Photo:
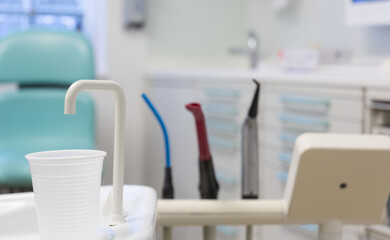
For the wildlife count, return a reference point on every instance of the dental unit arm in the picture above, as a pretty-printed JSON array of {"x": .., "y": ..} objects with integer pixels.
[
  {"x": 116, "y": 216},
  {"x": 334, "y": 180}
]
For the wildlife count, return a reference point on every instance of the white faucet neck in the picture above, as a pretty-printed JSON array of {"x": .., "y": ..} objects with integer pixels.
[{"x": 120, "y": 116}]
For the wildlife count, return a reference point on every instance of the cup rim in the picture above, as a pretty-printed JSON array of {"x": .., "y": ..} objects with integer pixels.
[{"x": 70, "y": 154}]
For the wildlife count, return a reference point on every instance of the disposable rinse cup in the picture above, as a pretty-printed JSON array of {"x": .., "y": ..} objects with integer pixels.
[{"x": 63, "y": 181}]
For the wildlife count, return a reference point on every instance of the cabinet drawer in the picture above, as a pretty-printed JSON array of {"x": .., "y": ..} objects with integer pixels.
[
  {"x": 355, "y": 94},
  {"x": 271, "y": 185},
  {"x": 229, "y": 179},
  {"x": 322, "y": 106},
  {"x": 277, "y": 161},
  {"x": 293, "y": 122},
  {"x": 228, "y": 194},
  {"x": 227, "y": 165},
  {"x": 227, "y": 157}
]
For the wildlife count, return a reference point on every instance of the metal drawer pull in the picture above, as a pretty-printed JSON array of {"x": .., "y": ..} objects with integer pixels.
[
  {"x": 310, "y": 227},
  {"x": 222, "y": 126},
  {"x": 222, "y": 93},
  {"x": 284, "y": 157},
  {"x": 288, "y": 118},
  {"x": 282, "y": 176},
  {"x": 305, "y": 101},
  {"x": 381, "y": 130},
  {"x": 227, "y": 230},
  {"x": 380, "y": 105},
  {"x": 224, "y": 178},
  {"x": 219, "y": 109},
  {"x": 288, "y": 138},
  {"x": 227, "y": 144}
]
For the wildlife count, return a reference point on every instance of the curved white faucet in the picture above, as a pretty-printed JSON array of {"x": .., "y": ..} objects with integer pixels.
[{"x": 120, "y": 113}]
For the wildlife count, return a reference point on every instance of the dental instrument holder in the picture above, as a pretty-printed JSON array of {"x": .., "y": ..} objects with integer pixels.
[
  {"x": 116, "y": 216},
  {"x": 334, "y": 180}
]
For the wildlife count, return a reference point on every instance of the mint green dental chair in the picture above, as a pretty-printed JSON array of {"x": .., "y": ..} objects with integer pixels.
[{"x": 44, "y": 64}]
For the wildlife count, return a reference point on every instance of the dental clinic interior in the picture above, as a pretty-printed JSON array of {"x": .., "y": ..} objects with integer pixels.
[{"x": 194, "y": 120}]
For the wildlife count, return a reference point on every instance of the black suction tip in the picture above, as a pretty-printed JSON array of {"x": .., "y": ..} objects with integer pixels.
[
  {"x": 253, "y": 110},
  {"x": 168, "y": 192}
]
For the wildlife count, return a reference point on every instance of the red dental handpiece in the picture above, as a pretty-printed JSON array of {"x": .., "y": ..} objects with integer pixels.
[{"x": 204, "y": 150}]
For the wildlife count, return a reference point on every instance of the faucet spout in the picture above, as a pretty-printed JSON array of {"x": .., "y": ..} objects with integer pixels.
[
  {"x": 251, "y": 49},
  {"x": 120, "y": 113}
]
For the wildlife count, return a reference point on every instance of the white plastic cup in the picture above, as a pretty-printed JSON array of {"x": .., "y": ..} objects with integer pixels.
[{"x": 66, "y": 186}]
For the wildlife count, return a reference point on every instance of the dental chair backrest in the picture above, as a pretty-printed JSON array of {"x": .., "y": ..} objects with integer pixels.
[
  {"x": 44, "y": 64},
  {"x": 339, "y": 176},
  {"x": 38, "y": 57}
]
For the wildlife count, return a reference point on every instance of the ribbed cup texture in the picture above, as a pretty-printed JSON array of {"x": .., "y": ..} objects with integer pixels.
[{"x": 67, "y": 207}]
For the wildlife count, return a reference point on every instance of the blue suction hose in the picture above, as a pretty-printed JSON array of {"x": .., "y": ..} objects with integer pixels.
[{"x": 168, "y": 192}]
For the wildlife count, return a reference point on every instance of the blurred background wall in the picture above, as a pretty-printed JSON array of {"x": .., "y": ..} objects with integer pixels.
[
  {"x": 319, "y": 22},
  {"x": 195, "y": 32}
]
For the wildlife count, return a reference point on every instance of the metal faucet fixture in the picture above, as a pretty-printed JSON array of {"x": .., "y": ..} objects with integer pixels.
[{"x": 252, "y": 49}]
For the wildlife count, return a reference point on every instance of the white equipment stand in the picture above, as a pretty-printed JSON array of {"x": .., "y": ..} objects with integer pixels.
[{"x": 334, "y": 180}]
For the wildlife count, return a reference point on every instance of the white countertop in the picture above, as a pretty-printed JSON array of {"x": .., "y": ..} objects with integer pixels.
[{"x": 330, "y": 76}]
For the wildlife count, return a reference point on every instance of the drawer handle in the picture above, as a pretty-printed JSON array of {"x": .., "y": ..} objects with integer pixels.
[
  {"x": 222, "y": 93},
  {"x": 282, "y": 176},
  {"x": 286, "y": 118},
  {"x": 219, "y": 109},
  {"x": 221, "y": 126},
  {"x": 305, "y": 101},
  {"x": 224, "y": 178},
  {"x": 310, "y": 227},
  {"x": 284, "y": 157},
  {"x": 227, "y": 230},
  {"x": 380, "y": 105},
  {"x": 288, "y": 138},
  {"x": 228, "y": 144}
]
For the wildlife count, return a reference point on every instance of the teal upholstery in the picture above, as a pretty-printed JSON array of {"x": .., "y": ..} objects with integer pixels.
[
  {"x": 38, "y": 56},
  {"x": 32, "y": 118}
]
